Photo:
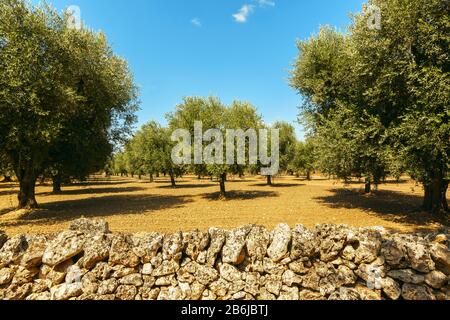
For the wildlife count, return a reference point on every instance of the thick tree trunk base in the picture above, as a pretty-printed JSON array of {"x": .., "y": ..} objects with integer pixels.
[{"x": 269, "y": 181}]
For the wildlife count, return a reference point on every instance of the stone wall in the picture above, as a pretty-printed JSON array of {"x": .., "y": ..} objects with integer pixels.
[{"x": 329, "y": 262}]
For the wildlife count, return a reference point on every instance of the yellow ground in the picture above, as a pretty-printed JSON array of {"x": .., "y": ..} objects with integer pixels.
[{"x": 134, "y": 206}]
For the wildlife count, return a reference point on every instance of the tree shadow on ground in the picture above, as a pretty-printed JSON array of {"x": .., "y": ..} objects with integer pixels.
[
  {"x": 99, "y": 183},
  {"x": 278, "y": 185},
  {"x": 187, "y": 186},
  {"x": 241, "y": 195},
  {"x": 390, "y": 205},
  {"x": 93, "y": 191},
  {"x": 98, "y": 207},
  {"x": 9, "y": 192}
]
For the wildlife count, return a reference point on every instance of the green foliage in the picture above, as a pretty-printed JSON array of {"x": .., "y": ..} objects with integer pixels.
[
  {"x": 378, "y": 100},
  {"x": 64, "y": 96}
]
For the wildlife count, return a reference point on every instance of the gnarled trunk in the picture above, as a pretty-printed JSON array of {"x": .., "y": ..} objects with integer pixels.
[
  {"x": 435, "y": 198},
  {"x": 223, "y": 179},
  {"x": 172, "y": 180},
  {"x": 57, "y": 181},
  {"x": 368, "y": 185},
  {"x": 26, "y": 196}
]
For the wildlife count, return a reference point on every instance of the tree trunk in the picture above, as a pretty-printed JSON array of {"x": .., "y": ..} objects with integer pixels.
[
  {"x": 7, "y": 179},
  {"x": 172, "y": 180},
  {"x": 308, "y": 175},
  {"x": 57, "y": 183},
  {"x": 223, "y": 193},
  {"x": 151, "y": 178},
  {"x": 368, "y": 186},
  {"x": 140, "y": 176},
  {"x": 27, "y": 197},
  {"x": 269, "y": 180},
  {"x": 435, "y": 199}
]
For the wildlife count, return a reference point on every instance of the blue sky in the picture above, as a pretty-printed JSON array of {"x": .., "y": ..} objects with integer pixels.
[{"x": 233, "y": 49}]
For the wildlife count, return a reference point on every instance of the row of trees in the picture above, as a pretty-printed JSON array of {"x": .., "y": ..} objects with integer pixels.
[
  {"x": 150, "y": 150},
  {"x": 65, "y": 98},
  {"x": 377, "y": 102}
]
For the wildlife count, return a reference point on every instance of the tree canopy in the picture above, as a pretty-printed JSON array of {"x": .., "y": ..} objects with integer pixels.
[{"x": 64, "y": 96}]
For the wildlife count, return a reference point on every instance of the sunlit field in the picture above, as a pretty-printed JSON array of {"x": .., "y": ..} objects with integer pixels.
[{"x": 131, "y": 205}]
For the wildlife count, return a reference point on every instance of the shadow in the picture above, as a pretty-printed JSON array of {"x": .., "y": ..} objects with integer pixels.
[
  {"x": 390, "y": 205},
  {"x": 98, "y": 207},
  {"x": 187, "y": 186},
  {"x": 8, "y": 192},
  {"x": 278, "y": 185},
  {"x": 7, "y": 210},
  {"x": 241, "y": 195},
  {"x": 93, "y": 191}
]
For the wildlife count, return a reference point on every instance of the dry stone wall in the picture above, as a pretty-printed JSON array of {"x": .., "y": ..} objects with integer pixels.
[{"x": 87, "y": 262}]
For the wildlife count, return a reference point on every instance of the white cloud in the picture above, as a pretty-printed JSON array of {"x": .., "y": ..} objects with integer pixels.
[
  {"x": 266, "y": 3},
  {"x": 243, "y": 13},
  {"x": 196, "y": 22}
]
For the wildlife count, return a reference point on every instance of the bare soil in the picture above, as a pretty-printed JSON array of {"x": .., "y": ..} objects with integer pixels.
[{"x": 135, "y": 206}]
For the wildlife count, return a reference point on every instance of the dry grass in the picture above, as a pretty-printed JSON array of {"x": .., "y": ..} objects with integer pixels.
[{"x": 135, "y": 206}]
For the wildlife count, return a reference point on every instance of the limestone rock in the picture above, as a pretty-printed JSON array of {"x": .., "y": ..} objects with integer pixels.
[
  {"x": 132, "y": 280},
  {"x": 407, "y": 276},
  {"x": 308, "y": 295},
  {"x": 195, "y": 242},
  {"x": 12, "y": 250},
  {"x": 391, "y": 288},
  {"x": 332, "y": 241},
  {"x": 345, "y": 294},
  {"x": 147, "y": 245},
  {"x": 290, "y": 278},
  {"x": 18, "y": 292},
  {"x": 96, "y": 249},
  {"x": 300, "y": 267},
  {"x": 90, "y": 227},
  {"x": 65, "y": 246},
  {"x": 42, "y": 296},
  {"x": 205, "y": 275},
  {"x": 441, "y": 254},
  {"x": 233, "y": 250},
  {"x": 281, "y": 238},
  {"x": 229, "y": 273},
  {"x": 171, "y": 293},
  {"x": 304, "y": 243},
  {"x": 173, "y": 246},
  {"x": 415, "y": 292},
  {"x": 107, "y": 287},
  {"x": 36, "y": 246},
  {"x": 289, "y": 294},
  {"x": 6, "y": 276},
  {"x": 311, "y": 281},
  {"x": 394, "y": 251},
  {"x": 217, "y": 237},
  {"x": 126, "y": 292},
  {"x": 168, "y": 267},
  {"x": 369, "y": 246},
  {"x": 257, "y": 243},
  {"x": 420, "y": 257},
  {"x": 66, "y": 291},
  {"x": 121, "y": 252},
  {"x": 265, "y": 295},
  {"x": 436, "y": 279}
]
